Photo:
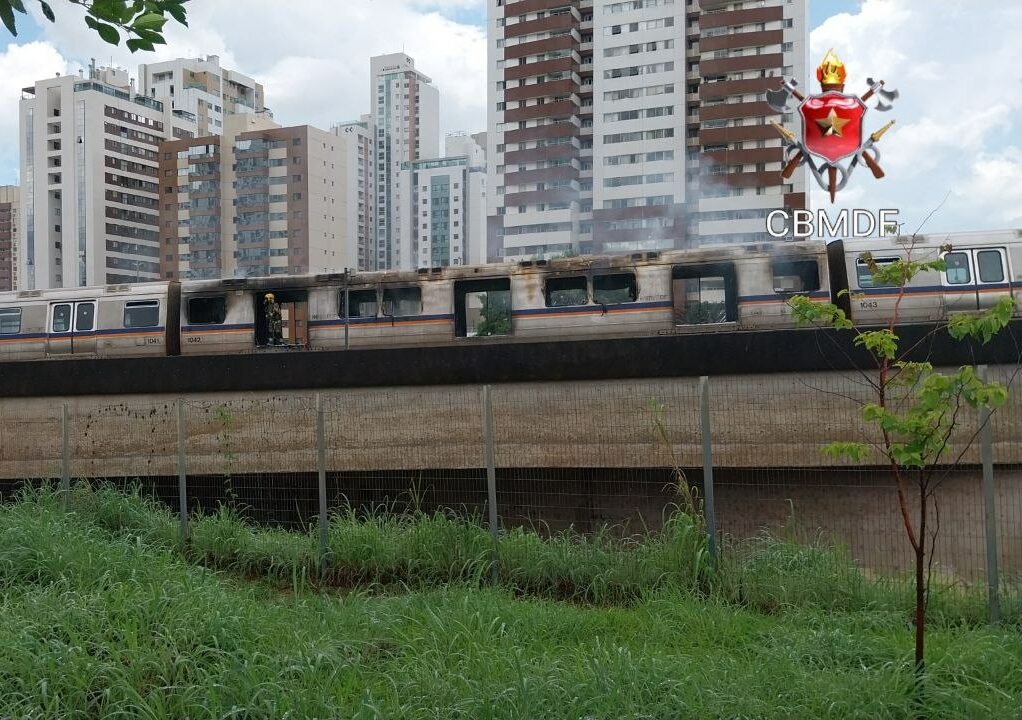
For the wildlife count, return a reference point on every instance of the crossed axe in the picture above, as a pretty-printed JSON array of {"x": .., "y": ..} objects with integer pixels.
[{"x": 778, "y": 99}]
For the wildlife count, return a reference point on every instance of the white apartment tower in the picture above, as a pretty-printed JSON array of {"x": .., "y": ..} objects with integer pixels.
[
  {"x": 358, "y": 173},
  {"x": 446, "y": 203},
  {"x": 406, "y": 115},
  {"x": 90, "y": 196},
  {"x": 625, "y": 126},
  {"x": 201, "y": 90}
]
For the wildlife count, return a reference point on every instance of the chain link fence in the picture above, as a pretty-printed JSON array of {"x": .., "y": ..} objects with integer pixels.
[{"x": 612, "y": 457}]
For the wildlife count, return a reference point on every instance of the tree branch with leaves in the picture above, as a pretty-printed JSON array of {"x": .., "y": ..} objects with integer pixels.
[
  {"x": 139, "y": 22},
  {"x": 914, "y": 409}
]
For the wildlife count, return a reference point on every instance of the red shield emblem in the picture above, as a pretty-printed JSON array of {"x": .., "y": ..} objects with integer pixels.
[{"x": 832, "y": 124}]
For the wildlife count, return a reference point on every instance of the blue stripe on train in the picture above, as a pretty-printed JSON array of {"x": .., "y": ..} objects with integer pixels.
[
  {"x": 152, "y": 329},
  {"x": 378, "y": 320},
  {"x": 594, "y": 308},
  {"x": 782, "y": 297},
  {"x": 215, "y": 326},
  {"x": 950, "y": 289}
]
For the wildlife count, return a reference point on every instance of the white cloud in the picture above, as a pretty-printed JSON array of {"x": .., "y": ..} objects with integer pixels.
[
  {"x": 960, "y": 104},
  {"x": 313, "y": 56},
  {"x": 994, "y": 185},
  {"x": 21, "y": 66}
]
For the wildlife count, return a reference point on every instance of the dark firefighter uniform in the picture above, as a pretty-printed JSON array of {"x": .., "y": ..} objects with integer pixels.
[{"x": 274, "y": 324}]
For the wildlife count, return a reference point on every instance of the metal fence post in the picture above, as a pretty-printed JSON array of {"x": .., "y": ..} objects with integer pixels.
[
  {"x": 491, "y": 479},
  {"x": 65, "y": 457},
  {"x": 708, "y": 509},
  {"x": 324, "y": 524},
  {"x": 182, "y": 473},
  {"x": 986, "y": 442}
]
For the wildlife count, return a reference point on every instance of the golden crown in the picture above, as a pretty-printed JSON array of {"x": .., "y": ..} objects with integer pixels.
[{"x": 831, "y": 70}]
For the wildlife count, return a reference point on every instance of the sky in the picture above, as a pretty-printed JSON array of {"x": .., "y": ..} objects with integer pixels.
[{"x": 957, "y": 142}]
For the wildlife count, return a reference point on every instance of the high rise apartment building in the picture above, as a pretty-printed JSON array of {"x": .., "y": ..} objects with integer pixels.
[
  {"x": 90, "y": 185},
  {"x": 638, "y": 125},
  {"x": 257, "y": 200},
  {"x": 358, "y": 214},
  {"x": 744, "y": 49},
  {"x": 202, "y": 90},
  {"x": 446, "y": 202},
  {"x": 406, "y": 118},
  {"x": 9, "y": 199}
]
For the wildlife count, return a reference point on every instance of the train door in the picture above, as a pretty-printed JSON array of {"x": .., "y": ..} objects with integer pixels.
[
  {"x": 992, "y": 277},
  {"x": 704, "y": 294},
  {"x": 72, "y": 328},
  {"x": 84, "y": 340},
  {"x": 975, "y": 278},
  {"x": 294, "y": 317},
  {"x": 959, "y": 282}
]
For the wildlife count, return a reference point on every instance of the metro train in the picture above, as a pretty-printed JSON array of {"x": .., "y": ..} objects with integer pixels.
[{"x": 725, "y": 288}]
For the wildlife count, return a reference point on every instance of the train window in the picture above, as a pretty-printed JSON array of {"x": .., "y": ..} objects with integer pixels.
[
  {"x": 61, "y": 318},
  {"x": 207, "y": 310},
  {"x": 796, "y": 276},
  {"x": 865, "y": 278},
  {"x": 401, "y": 302},
  {"x": 615, "y": 289},
  {"x": 363, "y": 304},
  {"x": 704, "y": 294},
  {"x": 85, "y": 316},
  {"x": 561, "y": 292},
  {"x": 141, "y": 313},
  {"x": 482, "y": 308},
  {"x": 957, "y": 268},
  {"x": 989, "y": 266},
  {"x": 10, "y": 321}
]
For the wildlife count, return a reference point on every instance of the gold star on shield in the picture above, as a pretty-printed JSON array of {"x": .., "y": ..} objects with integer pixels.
[{"x": 832, "y": 124}]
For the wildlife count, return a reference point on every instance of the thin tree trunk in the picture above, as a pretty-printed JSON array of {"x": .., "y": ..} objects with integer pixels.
[{"x": 921, "y": 589}]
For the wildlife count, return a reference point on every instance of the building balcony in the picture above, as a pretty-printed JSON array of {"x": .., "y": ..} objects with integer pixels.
[
  {"x": 543, "y": 67},
  {"x": 560, "y": 109},
  {"x": 542, "y": 132},
  {"x": 749, "y": 16},
  {"x": 564, "y": 21},
  {"x": 721, "y": 66},
  {"x": 543, "y": 89}
]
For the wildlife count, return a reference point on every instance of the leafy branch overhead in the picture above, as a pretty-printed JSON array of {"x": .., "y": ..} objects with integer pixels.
[{"x": 139, "y": 22}]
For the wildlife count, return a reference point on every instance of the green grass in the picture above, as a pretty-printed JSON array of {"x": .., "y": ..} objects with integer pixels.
[{"x": 103, "y": 617}]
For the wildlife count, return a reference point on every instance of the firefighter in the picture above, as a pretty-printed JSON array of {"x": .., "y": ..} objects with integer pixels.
[{"x": 274, "y": 324}]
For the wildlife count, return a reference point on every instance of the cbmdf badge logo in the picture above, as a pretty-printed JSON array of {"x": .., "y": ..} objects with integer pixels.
[{"x": 833, "y": 140}]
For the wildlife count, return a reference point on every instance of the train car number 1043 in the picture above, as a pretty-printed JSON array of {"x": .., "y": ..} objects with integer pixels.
[{"x": 869, "y": 304}]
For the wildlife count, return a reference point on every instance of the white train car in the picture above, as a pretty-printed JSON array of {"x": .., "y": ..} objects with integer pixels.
[
  {"x": 115, "y": 321},
  {"x": 982, "y": 268},
  {"x": 725, "y": 288}
]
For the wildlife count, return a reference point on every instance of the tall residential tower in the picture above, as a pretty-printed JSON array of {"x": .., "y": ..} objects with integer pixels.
[
  {"x": 406, "y": 115},
  {"x": 358, "y": 214},
  {"x": 90, "y": 192},
  {"x": 202, "y": 89},
  {"x": 257, "y": 200},
  {"x": 638, "y": 125}
]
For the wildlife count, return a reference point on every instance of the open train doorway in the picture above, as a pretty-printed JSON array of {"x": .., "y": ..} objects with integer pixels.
[
  {"x": 482, "y": 308},
  {"x": 294, "y": 318}
]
